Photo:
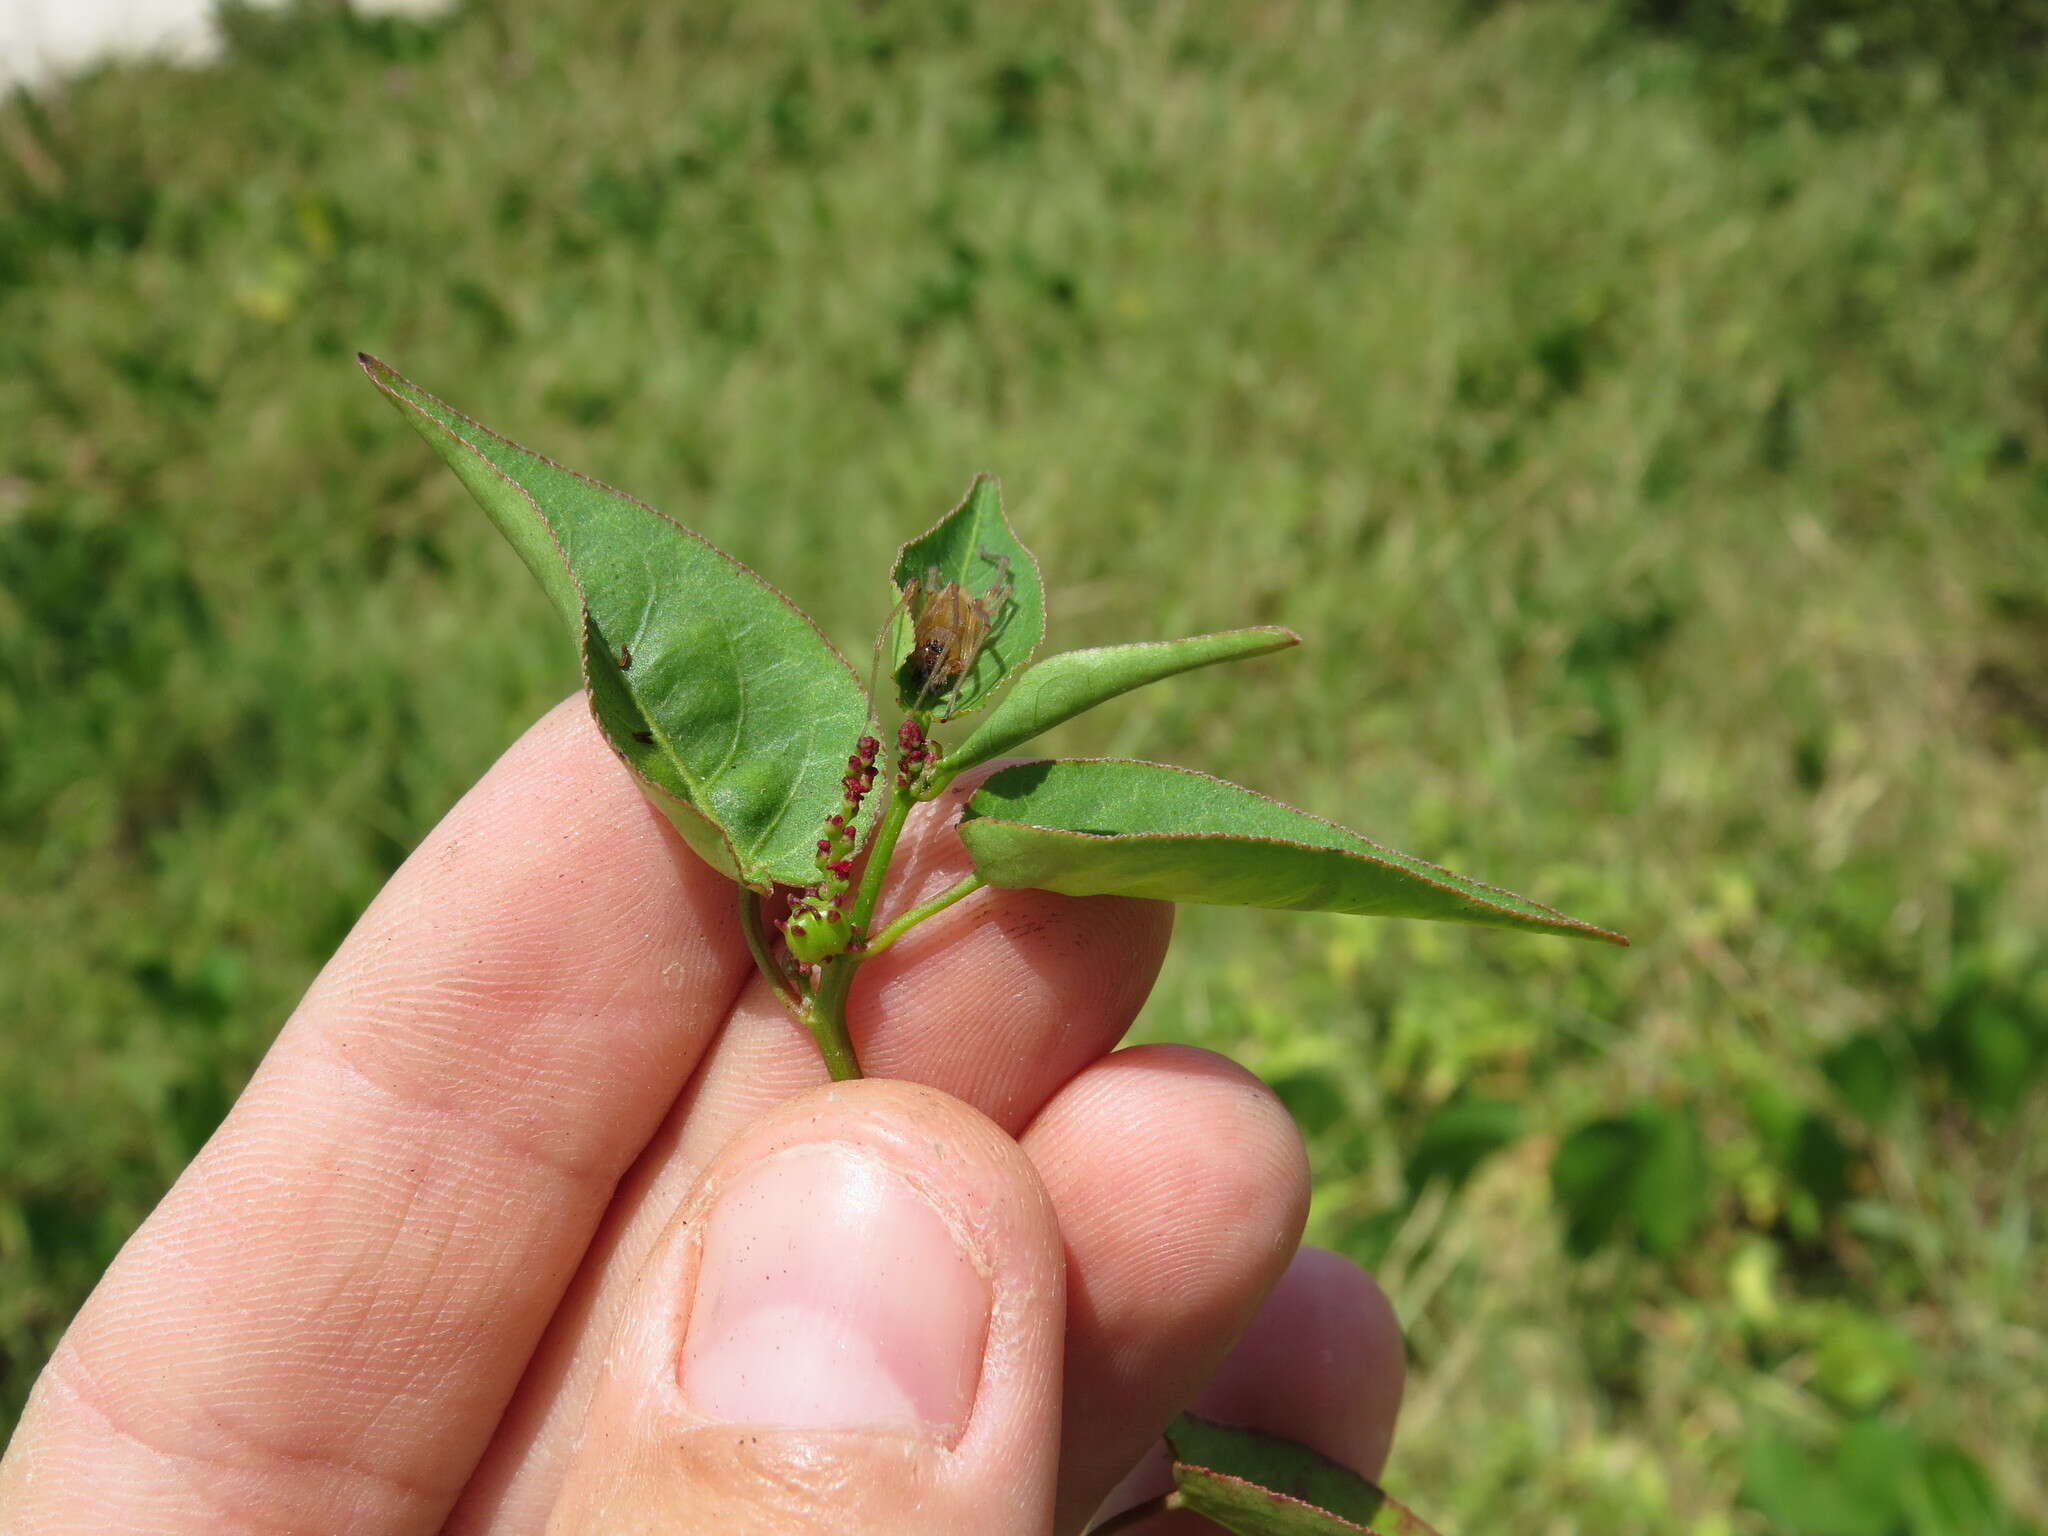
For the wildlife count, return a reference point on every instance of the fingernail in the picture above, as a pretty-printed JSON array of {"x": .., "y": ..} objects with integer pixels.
[{"x": 830, "y": 1293}]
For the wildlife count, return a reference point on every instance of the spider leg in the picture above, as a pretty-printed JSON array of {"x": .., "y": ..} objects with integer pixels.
[
  {"x": 959, "y": 681},
  {"x": 995, "y": 602},
  {"x": 907, "y": 599}
]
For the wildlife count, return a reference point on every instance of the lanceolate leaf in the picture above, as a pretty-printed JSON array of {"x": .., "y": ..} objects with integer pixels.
[
  {"x": 729, "y": 704},
  {"x": 1261, "y": 1485},
  {"x": 974, "y": 548},
  {"x": 627, "y": 727},
  {"x": 1063, "y": 686},
  {"x": 1110, "y": 827}
]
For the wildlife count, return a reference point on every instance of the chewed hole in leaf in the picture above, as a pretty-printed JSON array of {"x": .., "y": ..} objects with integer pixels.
[
  {"x": 970, "y": 609},
  {"x": 951, "y": 625}
]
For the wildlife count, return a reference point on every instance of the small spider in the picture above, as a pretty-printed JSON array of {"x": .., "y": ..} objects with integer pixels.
[{"x": 950, "y": 625}]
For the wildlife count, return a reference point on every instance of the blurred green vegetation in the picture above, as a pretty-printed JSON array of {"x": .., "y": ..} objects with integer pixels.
[
  {"x": 1843, "y": 61},
  {"x": 1663, "y": 491}
]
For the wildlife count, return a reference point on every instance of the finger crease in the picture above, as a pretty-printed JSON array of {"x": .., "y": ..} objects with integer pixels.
[
  {"x": 586, "y": 1174},
  {"x": 69, "y": 1373}
]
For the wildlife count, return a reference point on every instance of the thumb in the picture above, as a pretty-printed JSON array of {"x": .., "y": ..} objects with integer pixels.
[{"x": 853, "y": 1325}]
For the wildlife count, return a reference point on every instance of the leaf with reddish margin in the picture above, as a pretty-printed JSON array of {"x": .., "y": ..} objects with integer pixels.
[
  {"x": 725, "y": 699},
  {"x": 1063, "y": 686},
  {"x": 1113, "y": 827},
  {"x": 1258, "y": 1484}
]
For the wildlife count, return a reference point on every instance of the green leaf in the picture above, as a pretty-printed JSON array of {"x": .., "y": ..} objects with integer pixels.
[
  {"x": 1820, "y": 1496},
  {"x": 973, "y": 547},
  {"x": 1953, "y": 1497},
  {"x": 1459, "y": 1137},
  {"x": 1673, "y": 1185},
  {"x": 1590, "y": 1181},
  {"x": 1262, "y": 1485},
  {"x": 1644, "y": 1172},
  {"x": 1063, "y": 686},
  {"x": 1868, "y": 1072},
  {"x": 1880, "y": 1478},
  {"x": 726, "y": 700},
  {"x": 1105, "y": 826}
]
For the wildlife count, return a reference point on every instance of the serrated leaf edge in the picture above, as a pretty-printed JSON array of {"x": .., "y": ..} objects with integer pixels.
[
  {"x": 380, "y": 372},
  {"x": 376, "y": 367},
  {"x": 1272, "y": 1494},
  {"x": 1404, "y": 1522}
]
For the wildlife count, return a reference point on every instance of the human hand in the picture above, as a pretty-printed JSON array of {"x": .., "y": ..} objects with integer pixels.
[{"x": 537, "y": 1217}]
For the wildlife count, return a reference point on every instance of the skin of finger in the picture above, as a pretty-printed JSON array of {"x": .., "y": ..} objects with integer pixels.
[
  {"x": 649, "y": 1462},
  {"x": 1181, "y": 1187},
  {"x": 1033, "y": 986},
  {"x": 517, "y": 1481},
  {"x": 319, "y": 1327},
  {"x": 997, "y": 1001},
  {"x": 1323, "y": 1363}
]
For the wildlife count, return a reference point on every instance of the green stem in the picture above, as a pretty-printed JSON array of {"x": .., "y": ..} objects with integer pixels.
[
  {"x": 884, "y": 849},
  {"x": 828, "y": 1030},
  {"x": 825, "y": 1017},
  {"x": 909, "y": 920},
  {"x": 757, "y": 941}
]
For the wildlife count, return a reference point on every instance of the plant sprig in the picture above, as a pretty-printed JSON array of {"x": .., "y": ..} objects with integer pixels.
[{"x": 757, "y": 740}]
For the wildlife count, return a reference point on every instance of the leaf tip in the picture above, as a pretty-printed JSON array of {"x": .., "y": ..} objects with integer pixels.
[
  {"x": 1583, "y": 930},
  {"x": 379, "y": 372}
]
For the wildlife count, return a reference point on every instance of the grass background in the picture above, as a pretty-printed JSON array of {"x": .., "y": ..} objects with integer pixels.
[{"x": 1645, "y": 431}]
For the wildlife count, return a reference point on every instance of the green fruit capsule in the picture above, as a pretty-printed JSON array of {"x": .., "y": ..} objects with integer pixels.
[{"x": 814, "y": 935}]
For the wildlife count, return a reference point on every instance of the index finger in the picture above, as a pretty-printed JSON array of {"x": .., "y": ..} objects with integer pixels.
[{"x": 319, "y": 1326}]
